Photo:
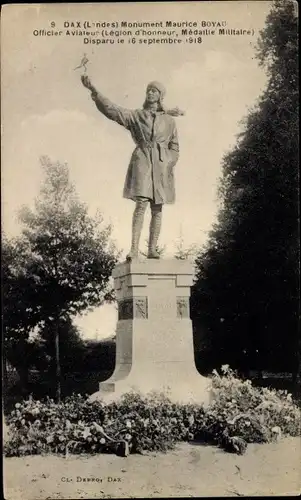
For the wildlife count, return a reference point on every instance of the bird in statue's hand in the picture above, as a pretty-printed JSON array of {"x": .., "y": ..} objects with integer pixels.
[{"x": 83, "y": 63}]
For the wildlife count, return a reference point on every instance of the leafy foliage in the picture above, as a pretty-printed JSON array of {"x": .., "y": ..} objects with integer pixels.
[
  {"x": 99, "y": 354},
  {"x": 72, "y": 253},
  {"x": 183, "y": 252},
  {"x": 71, "y": 345},
  {"x": 60, "y": 266},
  {"x": 254, "y": 414},
  {"x": 239, "y": 414},
  {"x": 18, "y": 315},
  {"x": 246, "y": 294}
]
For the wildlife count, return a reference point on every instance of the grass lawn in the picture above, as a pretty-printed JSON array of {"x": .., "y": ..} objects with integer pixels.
[{"x": 191, "y": 470}]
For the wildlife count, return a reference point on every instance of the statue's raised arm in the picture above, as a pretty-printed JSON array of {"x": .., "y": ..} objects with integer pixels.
[{"x": 121, "y": 115}]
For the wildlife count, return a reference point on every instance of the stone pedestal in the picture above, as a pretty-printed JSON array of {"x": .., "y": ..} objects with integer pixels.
[{"x": 154, "y": 343}]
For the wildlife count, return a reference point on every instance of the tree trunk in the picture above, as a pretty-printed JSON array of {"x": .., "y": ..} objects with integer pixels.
[{"x": 57, "y": 363}]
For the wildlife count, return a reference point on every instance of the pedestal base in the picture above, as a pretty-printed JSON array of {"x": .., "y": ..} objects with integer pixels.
[
  {"x": 154, "y": 343},
  {"x": 198, "y": 392}
]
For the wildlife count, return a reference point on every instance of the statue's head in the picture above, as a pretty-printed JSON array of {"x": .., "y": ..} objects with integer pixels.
[{"x": 155, "y": 92}]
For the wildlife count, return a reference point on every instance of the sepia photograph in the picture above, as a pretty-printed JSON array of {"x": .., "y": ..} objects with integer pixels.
[{"x": 150, "y": 250}]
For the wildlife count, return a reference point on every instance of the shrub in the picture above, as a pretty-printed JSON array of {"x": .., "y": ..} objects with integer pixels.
[
  {"x": 239, "y": 414},
  {"x": 77, "y": 425},
  {"x": 253, "y": 413}
]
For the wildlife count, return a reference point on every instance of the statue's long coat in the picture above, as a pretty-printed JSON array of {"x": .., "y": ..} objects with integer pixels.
[{"x": 151, "y": 170}]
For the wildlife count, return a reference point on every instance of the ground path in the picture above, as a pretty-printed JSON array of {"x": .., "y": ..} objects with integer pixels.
[{"x": 190, "y": 470}]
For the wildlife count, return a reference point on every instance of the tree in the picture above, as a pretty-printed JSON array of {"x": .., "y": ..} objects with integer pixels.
[
  {"x": 246, "y": 293},
  {"x": 183, "y": 252},
  {"x": 70, "y": 255},
  {"x": 71, "y": 345},
  {"x": 19, "y": 316},
  {"x": 99, "y": 355}
]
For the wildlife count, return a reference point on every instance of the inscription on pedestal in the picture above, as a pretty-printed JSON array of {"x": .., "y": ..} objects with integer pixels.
[
  {"x": 183, "y": 307},
  {"x": 133, "y": 308}
]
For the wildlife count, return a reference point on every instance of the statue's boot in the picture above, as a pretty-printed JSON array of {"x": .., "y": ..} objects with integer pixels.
[
  {"x": 137, "y": 223},
  {"x": 154, "y": 231}
]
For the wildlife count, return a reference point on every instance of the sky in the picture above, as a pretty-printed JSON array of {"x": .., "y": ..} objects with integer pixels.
[{"x": 47, "y": 111}]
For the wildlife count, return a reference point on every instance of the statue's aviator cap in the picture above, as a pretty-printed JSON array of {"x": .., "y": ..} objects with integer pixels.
[{"x": 159, "y": 86}]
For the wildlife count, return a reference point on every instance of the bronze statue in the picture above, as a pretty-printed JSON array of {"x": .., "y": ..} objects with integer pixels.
[{"x": 150, "y": 175}]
